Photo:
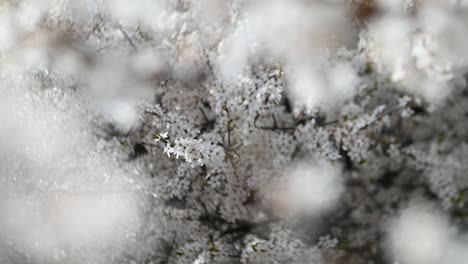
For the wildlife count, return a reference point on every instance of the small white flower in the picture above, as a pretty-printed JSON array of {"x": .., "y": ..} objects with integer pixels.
[
  {"x": 160, "y": 136},
  {"x": 168, "y": 150}
]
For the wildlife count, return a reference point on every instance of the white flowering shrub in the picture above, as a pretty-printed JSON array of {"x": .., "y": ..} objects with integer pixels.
[{"x": 216, "y": 131}]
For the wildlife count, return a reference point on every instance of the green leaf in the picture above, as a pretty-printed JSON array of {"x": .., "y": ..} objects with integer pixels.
[
  {"x": 205, "y": 182},
  {"x": 369, "y": 69},
  {"x": 254, "y": 247},
  {"x": 459, "y": 198},
  {"x": 343, "y": 244},
  {"x": 441, "y": 138},
  {"x": 213, "y": 248}
]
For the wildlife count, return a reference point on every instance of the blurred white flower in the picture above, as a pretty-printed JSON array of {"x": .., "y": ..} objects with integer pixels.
[
  {"x": 326, "y": 87},
  {"x": 420, "y": 235},
  {"x": 130, "y": 13},
  {"x": 309, "y": 188},
  {"x": 233, "y": 58},
  {"x": 148, "y": 64},
  {"x": 55, "y": 192},
  {"x": 422, "y": 53},
  {"x": 123, "y": 113}
]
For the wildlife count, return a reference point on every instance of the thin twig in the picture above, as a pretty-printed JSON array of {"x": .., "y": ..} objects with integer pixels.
[
  {"x": 151, "y": 113},
  {"x": 119, "y": 27}
]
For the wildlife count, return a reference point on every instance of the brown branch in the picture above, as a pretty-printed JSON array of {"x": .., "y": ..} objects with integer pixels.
[{"x": 119, "y": 27}]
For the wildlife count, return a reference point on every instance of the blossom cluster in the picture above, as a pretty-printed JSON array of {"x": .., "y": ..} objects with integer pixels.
[{"x": 215, "y": 131}]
